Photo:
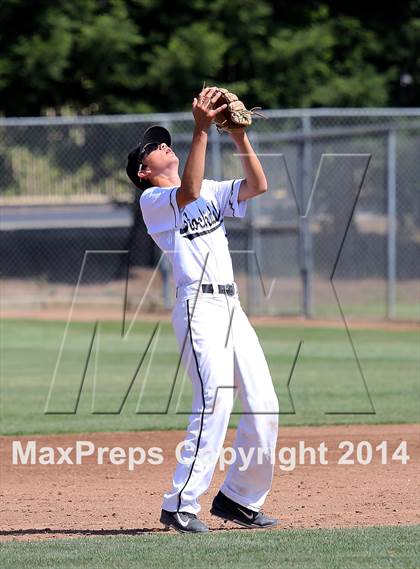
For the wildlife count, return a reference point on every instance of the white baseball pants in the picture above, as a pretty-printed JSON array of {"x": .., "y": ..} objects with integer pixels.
[{"x": 223, "y": 357}]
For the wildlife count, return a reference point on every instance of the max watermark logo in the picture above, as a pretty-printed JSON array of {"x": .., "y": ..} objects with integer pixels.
[{"x": 132, "y": 355}]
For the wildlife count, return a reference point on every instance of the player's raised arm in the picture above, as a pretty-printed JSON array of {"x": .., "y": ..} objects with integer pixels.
[
  {"x": 192, "y": 178},
  {"x": 255, "y": 182}
]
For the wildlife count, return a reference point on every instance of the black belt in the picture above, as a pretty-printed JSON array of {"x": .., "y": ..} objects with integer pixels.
[{"x": 228, "y": 289}]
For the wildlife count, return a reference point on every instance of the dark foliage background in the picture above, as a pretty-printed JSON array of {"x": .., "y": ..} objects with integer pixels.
[{"x": 118, "y": 56}]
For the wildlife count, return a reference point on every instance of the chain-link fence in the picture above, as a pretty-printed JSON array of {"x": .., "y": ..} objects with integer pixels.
[{"x": 338, "y": 229}]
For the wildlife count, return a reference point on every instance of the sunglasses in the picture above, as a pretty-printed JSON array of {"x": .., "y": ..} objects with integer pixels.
[{"x": 151, "y": 147}]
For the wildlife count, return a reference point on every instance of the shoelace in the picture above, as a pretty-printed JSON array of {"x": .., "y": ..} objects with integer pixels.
[{"x": 189, "y": 515}]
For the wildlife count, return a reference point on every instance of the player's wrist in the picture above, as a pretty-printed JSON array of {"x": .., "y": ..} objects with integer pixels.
[
  {"x": 238, "y": 135},
  {"x": 201, "y": 130}
]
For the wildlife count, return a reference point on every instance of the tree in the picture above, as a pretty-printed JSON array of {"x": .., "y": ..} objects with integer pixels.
[{"x": 116, "y": 56}]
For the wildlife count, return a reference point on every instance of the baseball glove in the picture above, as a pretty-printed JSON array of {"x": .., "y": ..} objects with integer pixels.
[{"x": 235, "y": 116}]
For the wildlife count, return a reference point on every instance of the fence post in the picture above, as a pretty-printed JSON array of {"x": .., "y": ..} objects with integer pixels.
[
  {"x": 305, "y": 237},
  {"x": 216, "y": 154},
  {"x": 392, "y": 222},
  {"x": 254, "y": 245}
]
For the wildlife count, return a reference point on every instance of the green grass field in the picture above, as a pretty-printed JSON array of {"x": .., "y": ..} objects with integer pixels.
[
  {"x": 326, "y": 378},
  {"x": 370, "y": 548}
]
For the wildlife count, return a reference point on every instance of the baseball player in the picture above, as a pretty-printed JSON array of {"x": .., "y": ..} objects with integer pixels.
[{"x": 219, "y": 347}]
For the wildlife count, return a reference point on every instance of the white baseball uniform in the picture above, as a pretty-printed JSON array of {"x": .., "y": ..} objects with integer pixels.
[{"x": 220, "y": 349}]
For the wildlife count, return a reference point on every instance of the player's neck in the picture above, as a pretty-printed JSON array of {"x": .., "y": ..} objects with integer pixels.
[{"x": 167, "y": 179}]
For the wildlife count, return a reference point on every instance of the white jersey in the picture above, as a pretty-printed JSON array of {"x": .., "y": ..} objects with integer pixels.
[{"x": 194, "y": 237}]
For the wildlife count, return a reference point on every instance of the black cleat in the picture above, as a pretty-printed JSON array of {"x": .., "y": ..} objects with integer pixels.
[
  {"x": 229, "y": 510},
  {"x": 184, "y": 522}
]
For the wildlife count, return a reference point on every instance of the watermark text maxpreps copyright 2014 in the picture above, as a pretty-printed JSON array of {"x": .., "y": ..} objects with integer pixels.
[{"x": 287, "y": 457}]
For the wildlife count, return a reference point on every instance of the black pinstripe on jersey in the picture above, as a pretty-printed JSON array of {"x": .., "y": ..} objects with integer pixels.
[{"x": 172, "y": 205}]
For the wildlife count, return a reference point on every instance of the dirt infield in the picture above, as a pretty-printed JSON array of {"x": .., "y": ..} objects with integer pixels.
[
  {"x": 65, "y": 500},
  {"x": 112, "y": 314}
]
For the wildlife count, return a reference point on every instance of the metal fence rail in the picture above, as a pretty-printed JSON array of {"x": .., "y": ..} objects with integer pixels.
[{"x": 314, "y": 159}]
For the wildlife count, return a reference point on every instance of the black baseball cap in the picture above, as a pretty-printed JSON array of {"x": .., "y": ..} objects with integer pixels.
[{"x": 156, "y": 134}]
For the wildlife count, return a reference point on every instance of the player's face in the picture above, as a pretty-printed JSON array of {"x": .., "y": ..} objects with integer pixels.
[{"x": 158, "y": 157}]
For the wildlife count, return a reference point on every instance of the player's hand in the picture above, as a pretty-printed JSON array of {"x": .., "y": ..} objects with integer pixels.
[{"x": 203, "y": 107}]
